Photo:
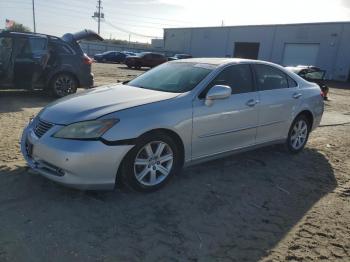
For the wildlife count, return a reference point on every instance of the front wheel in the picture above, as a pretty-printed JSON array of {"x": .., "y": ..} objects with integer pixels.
[
  {"x": 63, "y": 84},
  {"x": 151, "y": 163},
  {"x": 298, "y": 134}
]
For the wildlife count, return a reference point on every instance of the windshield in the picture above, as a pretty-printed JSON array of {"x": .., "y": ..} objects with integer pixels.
[{"x": 173, "y": 77}]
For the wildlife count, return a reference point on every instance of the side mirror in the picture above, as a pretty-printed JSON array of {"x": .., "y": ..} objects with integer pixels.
[{"x": 217, "y": 92}]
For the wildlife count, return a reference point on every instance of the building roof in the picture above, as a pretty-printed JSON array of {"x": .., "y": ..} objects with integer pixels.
[{"x": 232, "y": 26}]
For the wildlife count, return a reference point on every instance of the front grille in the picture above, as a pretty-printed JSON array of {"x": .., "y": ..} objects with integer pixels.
[{"x": 41, "y": 128}]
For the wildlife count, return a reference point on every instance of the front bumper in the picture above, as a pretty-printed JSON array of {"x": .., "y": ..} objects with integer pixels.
[{"x": 86, "y": 165}]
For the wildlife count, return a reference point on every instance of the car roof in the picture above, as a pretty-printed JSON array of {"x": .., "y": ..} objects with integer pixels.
[
  {"x": 221, "y": 61},
  {"x": 25, "y": 34}
]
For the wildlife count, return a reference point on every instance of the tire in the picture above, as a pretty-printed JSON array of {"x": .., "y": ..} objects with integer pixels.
[
  {"x": 63, "y": 84},
  {"x": 149, "y": 173},
  {"x": 129, "y": 66},
  {"x": 298, "y": 134}
]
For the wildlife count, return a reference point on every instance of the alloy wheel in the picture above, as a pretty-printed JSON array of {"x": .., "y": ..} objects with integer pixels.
[
  {"x": 153, "y": 163},
  {"x": 299, "y": 134},
  {"x": 64, "y": 85}
]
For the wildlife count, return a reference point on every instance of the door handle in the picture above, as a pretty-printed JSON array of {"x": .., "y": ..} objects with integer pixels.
[
  {"x": 252, "y": 102},
  {"x": 297, "y": 95}
]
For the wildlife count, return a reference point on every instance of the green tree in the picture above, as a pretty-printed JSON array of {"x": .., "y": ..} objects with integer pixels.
[{"x": 19, "y": 28}]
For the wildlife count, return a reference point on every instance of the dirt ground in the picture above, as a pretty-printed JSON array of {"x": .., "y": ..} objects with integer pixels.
[{"x": 265, "y": 205}]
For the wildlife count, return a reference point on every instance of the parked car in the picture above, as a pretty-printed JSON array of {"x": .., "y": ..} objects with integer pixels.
[
  {"x": 179, "y": 56},
  {"x": 112, "y": 56},
  {"x": 37, "y": 61},
  {"x": 312, "y": 74},
  {"x": 145, "y": 59},
  {"x": 179, "y": 113}
]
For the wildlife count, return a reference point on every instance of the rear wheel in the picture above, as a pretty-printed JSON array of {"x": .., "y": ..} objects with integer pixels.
[
  {"x": 151, "y": 163},
  {"x": 298, "y": 134},
  {"x": 63, "y": 84}
]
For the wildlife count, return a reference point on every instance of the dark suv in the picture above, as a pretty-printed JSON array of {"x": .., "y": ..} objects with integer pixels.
[
  {"x": 146, "y": 59},
  {"x": 37, "y": 61}
]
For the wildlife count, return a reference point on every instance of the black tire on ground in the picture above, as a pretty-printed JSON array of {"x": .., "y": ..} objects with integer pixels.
[
  {"x": 63, "y": 84},
  {"x": 129, "y": 169},
  {"x": 294, "y": 132},
  {"x": 129, "y": 66}
]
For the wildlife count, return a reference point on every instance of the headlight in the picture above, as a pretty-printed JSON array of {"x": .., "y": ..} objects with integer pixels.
[{"x": 86, "y": 130}]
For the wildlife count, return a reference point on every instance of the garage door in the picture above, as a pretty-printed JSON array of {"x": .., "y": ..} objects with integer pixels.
[{"x": 300, "y": 54}]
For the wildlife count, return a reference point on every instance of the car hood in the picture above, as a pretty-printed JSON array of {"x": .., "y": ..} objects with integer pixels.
[{"x": 94, "y": 103}]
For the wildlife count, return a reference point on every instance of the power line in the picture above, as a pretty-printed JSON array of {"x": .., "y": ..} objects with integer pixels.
[{"x": 129, "y": 32}]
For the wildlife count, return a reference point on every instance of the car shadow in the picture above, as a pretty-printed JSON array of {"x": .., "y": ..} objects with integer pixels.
[
  {"x": 17, "y": 100},
  {"x": 236, "y": 208}
]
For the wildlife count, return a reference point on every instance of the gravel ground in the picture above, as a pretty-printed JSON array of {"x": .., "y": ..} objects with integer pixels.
[{"x": 265, "y": 205}]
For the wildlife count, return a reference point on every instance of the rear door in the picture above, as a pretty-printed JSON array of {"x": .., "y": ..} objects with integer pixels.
[
  {"x": 30, "y": 60},
  {"x": 279, "y": 97},
  {"x": 6, "y": 48},
  {"x": 148, "y": 60},
  {"x": 230, "y": 123}
]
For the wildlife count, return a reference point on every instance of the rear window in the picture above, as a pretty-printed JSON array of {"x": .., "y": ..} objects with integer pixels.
[
  {"x": 269, "y": 78},
  {"x": 292, "y": 82},
  {"x": 62, "y": 49}
]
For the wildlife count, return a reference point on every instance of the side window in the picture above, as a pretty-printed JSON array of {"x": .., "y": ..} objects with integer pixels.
[
  {"x": 291, "y": 82},
  {"x": 238, "y": 77},
  {"x": 32, "y": 45},
  {"x": 269, "y": 78},
  {"x": 6, "y": 45}
]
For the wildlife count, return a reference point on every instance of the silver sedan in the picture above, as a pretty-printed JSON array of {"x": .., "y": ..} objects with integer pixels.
[{"x": 180, "y": 113}]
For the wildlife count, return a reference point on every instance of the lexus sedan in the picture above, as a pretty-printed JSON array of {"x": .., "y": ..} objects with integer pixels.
[{"x": 177, "y": 114}]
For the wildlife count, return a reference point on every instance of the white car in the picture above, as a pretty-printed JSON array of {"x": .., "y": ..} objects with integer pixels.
[{"x": 180, "y": 113}]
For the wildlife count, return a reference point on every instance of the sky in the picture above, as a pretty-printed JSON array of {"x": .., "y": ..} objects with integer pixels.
[{"x": 145, "y": 19}]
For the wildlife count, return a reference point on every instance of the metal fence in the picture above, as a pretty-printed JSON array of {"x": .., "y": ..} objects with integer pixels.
[{"x": 91, "y": 48}]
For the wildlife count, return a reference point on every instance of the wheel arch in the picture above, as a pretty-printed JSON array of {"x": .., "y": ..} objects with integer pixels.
[
  {"x": 173, "y": 135},
  {"x": 178, "y": 140},
  {"x": 49, "y": 81},
  {"x": 308, "y": 114}
]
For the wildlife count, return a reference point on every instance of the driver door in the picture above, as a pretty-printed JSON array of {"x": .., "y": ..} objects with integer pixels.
[
  {"x": 30, "y": 61},
  {"x": 230, "y": 123}
]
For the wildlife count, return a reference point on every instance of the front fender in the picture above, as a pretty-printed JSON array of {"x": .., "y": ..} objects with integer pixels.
[{"x": 173, "y": 114}]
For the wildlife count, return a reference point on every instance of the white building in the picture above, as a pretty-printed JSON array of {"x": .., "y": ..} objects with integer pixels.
[{"x": 326, "y": 45}]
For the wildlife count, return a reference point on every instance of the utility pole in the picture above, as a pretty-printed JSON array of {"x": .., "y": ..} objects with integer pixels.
[
  {"x": 33, "y": 4},
  {"x": 99, "y": 15}
]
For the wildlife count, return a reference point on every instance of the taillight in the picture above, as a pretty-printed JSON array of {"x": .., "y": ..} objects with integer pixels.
[{"x": 87, "y": 60}]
